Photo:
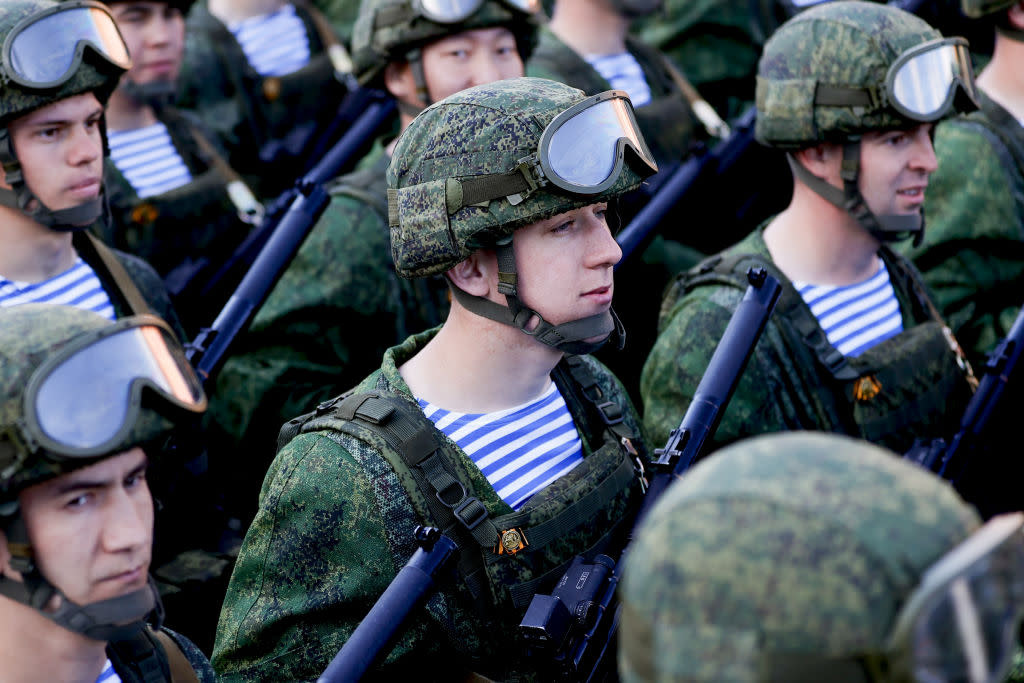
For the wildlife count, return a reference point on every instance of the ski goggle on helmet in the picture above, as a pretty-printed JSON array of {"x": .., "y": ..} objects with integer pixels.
[
  {"x": 921, "y": 84},
  {"x": 962, "y": 621},
  {"x": 85, "y": 400},
  {"x": 45, "y": 49},
  {"x": 456, "y": 11}
]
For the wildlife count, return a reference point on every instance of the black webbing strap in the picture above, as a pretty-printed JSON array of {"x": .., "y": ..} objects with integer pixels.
[
  {"x": 136, "y": 302},
  {"x": 484, "y": 188}
]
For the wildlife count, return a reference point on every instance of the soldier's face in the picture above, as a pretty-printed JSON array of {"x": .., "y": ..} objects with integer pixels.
[
  {"x": 470, "y": 58},
  {"x": 894, "y": 169},
  {"x": 60, "y": 148},
  {"x": 91, "y": 530},
  {"x": 155, "y": 35},
  {"x": 565, "y": 264}
]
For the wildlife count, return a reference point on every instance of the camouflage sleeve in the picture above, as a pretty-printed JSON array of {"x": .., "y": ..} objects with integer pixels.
[
  {"x": 686, "y": 341},
  {"x": 312, "y": 564},
  {"x": 972, "y": 256}
]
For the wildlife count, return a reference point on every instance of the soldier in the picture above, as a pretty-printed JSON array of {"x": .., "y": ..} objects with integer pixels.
[
  {"x": 84, "y": 407},
  {"x": 531, "y": 445},
  {"x": 855, "y": 344},
  {"x": 340, "y": 304},
  {"x": 176, "y": 202},
  {"x": 973, "y": 254},
  {"x": 266, "y": 77},
  {"x": 817, "y": 557},
  {"x": 52, "y": 149}
]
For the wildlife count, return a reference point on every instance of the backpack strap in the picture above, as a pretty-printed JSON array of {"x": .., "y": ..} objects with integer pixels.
[
  {"x": 126, "y": 286},
  {"x": 181, "y": 670},
  {"x": 140, "y": 658}
]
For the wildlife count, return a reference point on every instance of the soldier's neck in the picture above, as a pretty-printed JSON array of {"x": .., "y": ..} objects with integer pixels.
[
  {"x": 124, "y": 113},
  {"x": 32, "y": 252},
  {"x": 233, "y": 11},
  {"x": 1002, "y": 79},
  {"x": 33, "y": 648},
  {"x": 590, "y": 28}
]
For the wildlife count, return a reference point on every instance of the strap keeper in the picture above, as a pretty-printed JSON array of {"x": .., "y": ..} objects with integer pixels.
[
  {"x": 471, "y": 512},
  {"x": 611, "y": 412}
]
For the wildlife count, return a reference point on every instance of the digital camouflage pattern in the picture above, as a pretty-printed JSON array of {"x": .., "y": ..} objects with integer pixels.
[
  {"x": 669, "y": 126},
  {"x": 326, "y": 324},
  {"x": 906, "y": 387},
  {"x": 334, "y": 528},
  {"x": 713, "y": 42},
  {"x": 976, "y": 9},
  {"x": 386, "y": 30},
  {"x": 801, "y": 543},
  {"x": 836, "y": 43},
  {"x": 972, "y": 256},
  {"x": 195, "y": 657},
  {"x": 482, "y": 130},
  {"x": 95, "y": 74},
  {"x": 186, "y": 233}
]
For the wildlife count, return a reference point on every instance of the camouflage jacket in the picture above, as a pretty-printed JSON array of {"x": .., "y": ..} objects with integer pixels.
[
  {"x": 904, "y": 387},
  {"x": 259, "y": 119},
  {"x": 186, "y": 233},
  {"x": 336, "y": 525},
  {"x": 667, "y": 122},
  {"x": 325, "y": 325},
  {"x": 972, "y": 256}
]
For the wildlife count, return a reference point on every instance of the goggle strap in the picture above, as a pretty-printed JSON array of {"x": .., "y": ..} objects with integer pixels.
[
  {"x": 482, "y": 189},
  {"x": 840, "y": 96},
  {"x": 394, "y": 14}
]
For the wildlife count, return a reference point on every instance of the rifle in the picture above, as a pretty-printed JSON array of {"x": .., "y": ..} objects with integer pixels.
[
  {"x": 951, "y": 460},
  {"x": 576, "y": 625},
  {"x": 271, "y": 247},
  {"x": 577, "y": 632}
]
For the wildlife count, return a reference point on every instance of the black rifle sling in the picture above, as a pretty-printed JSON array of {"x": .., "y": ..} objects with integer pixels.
[{"x": 128, "y": 290}]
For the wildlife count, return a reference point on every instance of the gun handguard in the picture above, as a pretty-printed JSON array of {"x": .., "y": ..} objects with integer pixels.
[
  {"x": 581, "y": 649},
  {"x": 375, "y": 633},
  {"x": 208, "y": 350}
]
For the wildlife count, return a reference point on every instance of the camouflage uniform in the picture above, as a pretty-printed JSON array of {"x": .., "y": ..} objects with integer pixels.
[
  {"x": 812, "y": 386},
  {"x": 341, "y": 500},
  {"x": 326, "y": 324},
  {"x": 786, "y": 557},
  {"x": 186, "y": 233},
  {"x": 253, "y": 114}
]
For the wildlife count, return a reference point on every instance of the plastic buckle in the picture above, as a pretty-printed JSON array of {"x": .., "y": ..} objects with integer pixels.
[
  {"x": 611, "y": 412},
  {"x": 480, "y": 512}
]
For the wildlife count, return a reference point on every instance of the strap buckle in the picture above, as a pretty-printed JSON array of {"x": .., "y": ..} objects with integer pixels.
[{"x": 471, "y": 512}]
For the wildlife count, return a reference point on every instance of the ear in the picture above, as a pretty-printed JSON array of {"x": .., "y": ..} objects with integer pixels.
[
  {"x": 399, "y": 81},
  {"x": 477, "y": 274},
  {"x": 6, "y": 570}
]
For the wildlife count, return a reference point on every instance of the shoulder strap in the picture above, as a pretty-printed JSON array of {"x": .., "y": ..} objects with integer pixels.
[
  {"x": 357, "y": 184},
  {"x": 139, "y": 658},
  {"x": 705, "y": 113},
  {"x": 136, "y": 302},
  {"x": 181, "y": 670}
]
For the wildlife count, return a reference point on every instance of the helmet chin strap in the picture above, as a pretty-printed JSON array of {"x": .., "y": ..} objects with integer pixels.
[
  {"x": 20, "y": 197},
  {"x": 568, "y": 337},
  {"x": 105, "y": 620},
  {"x": 885, "y": 228}
]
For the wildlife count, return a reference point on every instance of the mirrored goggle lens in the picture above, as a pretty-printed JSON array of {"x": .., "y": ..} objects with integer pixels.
[
  {"x": 453, "y": 11},
  {"x": 46, "y": 52},
  {"x": 85, "y": 400},
  {"x": 923, "y": 85},
  {"x": 967, "y": 631},
  {"x": 585, "y": 151}
]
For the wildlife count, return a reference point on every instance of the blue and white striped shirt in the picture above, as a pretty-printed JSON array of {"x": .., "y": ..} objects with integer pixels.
[
  {"x": 77, "y": 286},
  {"x": 520, "y": 450},
  {"x": 148, "y": 160},
  {"x": 623, "y": 72},
  {"x": 275, "y": 44},
  {"x": 855, "y": 317},
  {"x": 108, "y": 674}
]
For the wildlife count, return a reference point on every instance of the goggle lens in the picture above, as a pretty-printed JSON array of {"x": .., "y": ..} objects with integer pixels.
[
  {"x": 585, "y": 150},
  {"x": 454, "y": 11},
  {"x": 923, "y": 85},
  {"x": 85, "y": 400},
  {"x": 46, "y": 52}
]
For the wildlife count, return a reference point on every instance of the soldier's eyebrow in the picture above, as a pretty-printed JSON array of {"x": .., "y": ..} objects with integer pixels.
[{"x": 87, "y": 484}]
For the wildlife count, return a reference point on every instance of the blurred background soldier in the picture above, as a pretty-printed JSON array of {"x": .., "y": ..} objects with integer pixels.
[
  {"x": 972, "y": 256},
  {"x": 267, "y": 76},
  {"x": 175, "y": 200},
  {"x": 340, "y": 304},
  {"x": 61, "y": 64},
  {"x": 85, "y": 405},
  {"x": 540, "y": 439},
  {"x": 816, "y": 557},
  {"x": 855, "y": 344}
]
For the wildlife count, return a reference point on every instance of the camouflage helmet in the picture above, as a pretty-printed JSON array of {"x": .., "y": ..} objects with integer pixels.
[
  {"x": 975, "y": 9},
  {"x": 800, "y": 545},
  {"x": 849, "y": 44},
  {"x": 94, "y": 73},
  {"x": 483, "y": 130},
  {"x": 387, "y": 30},
  {"x": 30, "y": 335}
]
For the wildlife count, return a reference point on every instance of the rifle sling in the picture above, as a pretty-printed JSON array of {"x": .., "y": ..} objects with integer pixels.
[{"x": 136, "y": 302}]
